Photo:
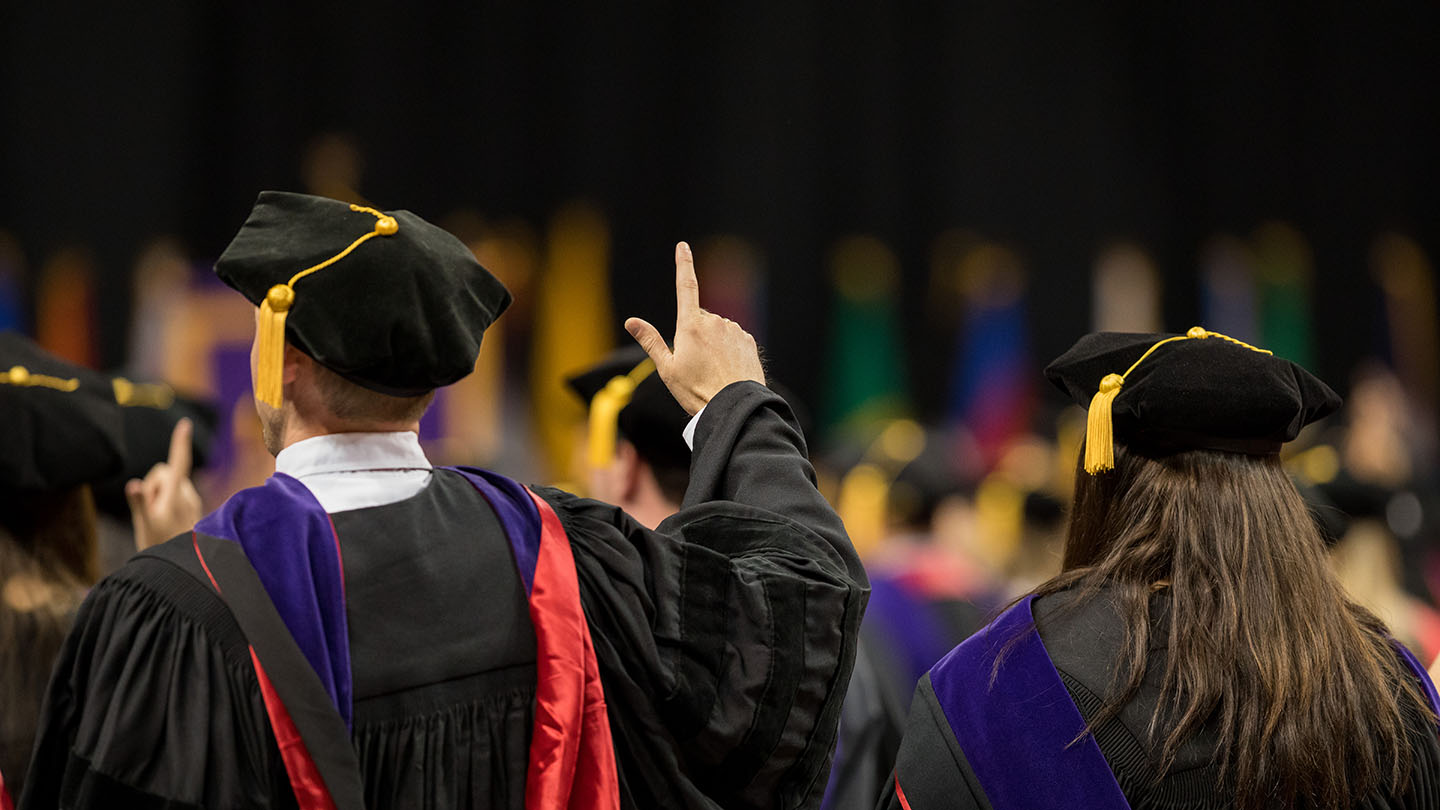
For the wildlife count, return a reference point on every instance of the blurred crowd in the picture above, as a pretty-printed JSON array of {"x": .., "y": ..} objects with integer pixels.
[{"x": 955, "y": 516}]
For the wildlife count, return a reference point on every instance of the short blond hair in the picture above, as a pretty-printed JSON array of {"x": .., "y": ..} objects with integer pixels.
[{"x": 354, "y": 403}]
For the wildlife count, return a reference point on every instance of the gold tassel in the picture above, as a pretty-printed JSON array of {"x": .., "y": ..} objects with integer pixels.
[
  {"x": 605, "y": 420},
  {"x": 1099, "y": 429},
  {"x": 605, "y": 411},
  {"x": 270, "y": 364}
]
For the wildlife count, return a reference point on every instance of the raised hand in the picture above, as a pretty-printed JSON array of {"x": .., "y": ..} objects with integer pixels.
[
  {"x": 165, "y": 502},
  {"x": 710, "y": 352}
]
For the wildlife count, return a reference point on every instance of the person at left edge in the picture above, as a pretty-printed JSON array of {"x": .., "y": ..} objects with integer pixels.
[
  {"x": 368, "y": 631},
  {"x": 63, "y": 432},
  {"x": 68, "y": 434}
]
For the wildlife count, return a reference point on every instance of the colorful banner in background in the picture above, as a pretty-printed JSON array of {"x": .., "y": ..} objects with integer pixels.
[
  {"x": 65, "y": 314},
  {"x": 1407, "y": 281},
  {"x": 865, "y": 356},
  {"x": 734, "y": 282},
  {"x": 12, "y": 284},
  {"x": 574, "y": 327},
  {"x": 1227, "y": 289},
  {"x": 1125, "y": 291},
  {"x": 1284, "y": 272},
  {"x": 992, "y": 389}
]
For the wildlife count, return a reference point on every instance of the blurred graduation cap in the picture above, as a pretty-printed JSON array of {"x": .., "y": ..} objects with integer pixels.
[
  {"x": 1043, "y": 510},
  {"x": 1199, "y": 390},
  {"x": 149, "y": 413},
  {"x": 1345, "y": 499},
  {"x": 382, "y": 298},
  {"x": 627, "y": 399},
  {"x": 63, "y": 426}
]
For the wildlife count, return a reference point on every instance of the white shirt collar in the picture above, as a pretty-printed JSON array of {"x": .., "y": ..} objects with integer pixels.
[{"x": 352, "y": 452}]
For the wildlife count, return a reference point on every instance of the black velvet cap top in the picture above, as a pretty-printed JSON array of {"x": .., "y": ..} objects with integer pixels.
[
  {"x": 401, "y": 314},
  {"x": 63, "y": 426},
  {"x": 1201, "y": 390},
  {"x": 652, "y": 420}
]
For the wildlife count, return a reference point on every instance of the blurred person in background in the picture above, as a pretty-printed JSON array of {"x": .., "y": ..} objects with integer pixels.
[
  {"x": 931, "y": 581},
  {"x": 1202, "y": 652},
  {"x": 638, "y": 459},
  {"x": 166, "y": 436},
  {"x": 1042, "y": 543},
  {"x": 1386, "y": 473},
  {"x": 1370, "y": 487},
  {"x": 66, "y": 435},
  {"x": 366, "y": 630},
  {"x": 1367, "y": 562},
  {"x": 636, "y": 452}
]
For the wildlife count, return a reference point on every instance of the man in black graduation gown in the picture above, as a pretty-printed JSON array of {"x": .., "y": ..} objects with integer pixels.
[
  {"x": 638, "y": 458},
  {"x": 367, "y": 630}
]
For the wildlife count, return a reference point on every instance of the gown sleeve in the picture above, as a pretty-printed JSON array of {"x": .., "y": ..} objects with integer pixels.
[
  {"x": 154, "y": 704},
  {"x": 725, "y": 637}
]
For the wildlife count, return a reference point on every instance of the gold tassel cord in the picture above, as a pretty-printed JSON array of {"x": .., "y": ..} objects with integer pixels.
[
  {"x": 1100, "y": 426},
  {"x": 142, "y": 395},
  {"x": 21, "y": 376},
  {"x": 605, "y": 411},
  {"x": 269, "y": 372}
]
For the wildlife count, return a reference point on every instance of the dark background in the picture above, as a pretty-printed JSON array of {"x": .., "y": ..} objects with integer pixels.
[{"x": 1056, "y": 126}]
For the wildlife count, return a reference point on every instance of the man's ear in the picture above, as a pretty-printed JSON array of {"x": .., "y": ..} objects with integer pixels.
[
  {"x": 630, "y": 468},
  {"x": 294, "y": 359}
]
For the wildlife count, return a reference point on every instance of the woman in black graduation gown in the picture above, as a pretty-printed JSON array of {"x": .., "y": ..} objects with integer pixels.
[
  {"x": 68, "y": 433},
  {"x": 63, "y": 432},
  {"x": 1195, "y": 651}
]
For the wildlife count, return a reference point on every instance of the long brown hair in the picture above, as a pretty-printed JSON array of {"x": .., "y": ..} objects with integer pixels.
[
  {"x": 1304, "y": 690},
  {"x": 48, "y": 558}
]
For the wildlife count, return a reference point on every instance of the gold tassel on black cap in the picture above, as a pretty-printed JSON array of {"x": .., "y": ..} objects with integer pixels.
[
  {"x": 270, "y": 363},
  {"x": 605, "y": 411},
  {"x": 1100, "y": 426},
  {"x": 142, "y": 395},
  {"x": 19, "y": 375}
]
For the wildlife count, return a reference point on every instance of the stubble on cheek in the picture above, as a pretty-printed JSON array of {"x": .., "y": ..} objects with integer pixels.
[{"x": 272, "y": 429}]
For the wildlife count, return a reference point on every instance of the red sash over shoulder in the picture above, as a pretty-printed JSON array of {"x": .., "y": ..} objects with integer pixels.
[{"x": 572, "y": 758}]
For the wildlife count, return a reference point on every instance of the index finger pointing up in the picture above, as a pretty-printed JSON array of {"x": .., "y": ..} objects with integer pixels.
[
  {"x": 687, "y": 287},
  {"x": 179, "y": 460}
]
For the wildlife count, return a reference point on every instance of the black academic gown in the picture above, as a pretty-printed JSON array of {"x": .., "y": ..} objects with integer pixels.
[
  {"x": 725, "y": 640},
  {"x": 870, "y": 727},
  {"x": 1084, "y": 645}
]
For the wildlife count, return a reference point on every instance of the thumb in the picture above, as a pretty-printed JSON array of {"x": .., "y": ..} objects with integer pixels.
[{"x": 650, "y": 340}]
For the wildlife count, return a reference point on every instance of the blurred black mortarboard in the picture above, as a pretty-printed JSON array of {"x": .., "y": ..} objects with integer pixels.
[
  {"x": 149, "y": 412},
  {"x": 382, "y": 298},
  {"x": 1200, "y": 390},
  {"x": 63, "y": 426},
  {"x": 1043, "y": 510},
  {"x": 622, "y": 392}
]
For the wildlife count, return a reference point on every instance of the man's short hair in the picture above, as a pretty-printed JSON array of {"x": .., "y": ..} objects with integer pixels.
[{"x": 354, "y": 403}]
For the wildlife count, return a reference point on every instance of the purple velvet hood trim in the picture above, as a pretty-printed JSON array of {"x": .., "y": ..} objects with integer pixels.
[
  {"x": 1016, "y": 732},
  {"x": 291, "y": 542}
]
